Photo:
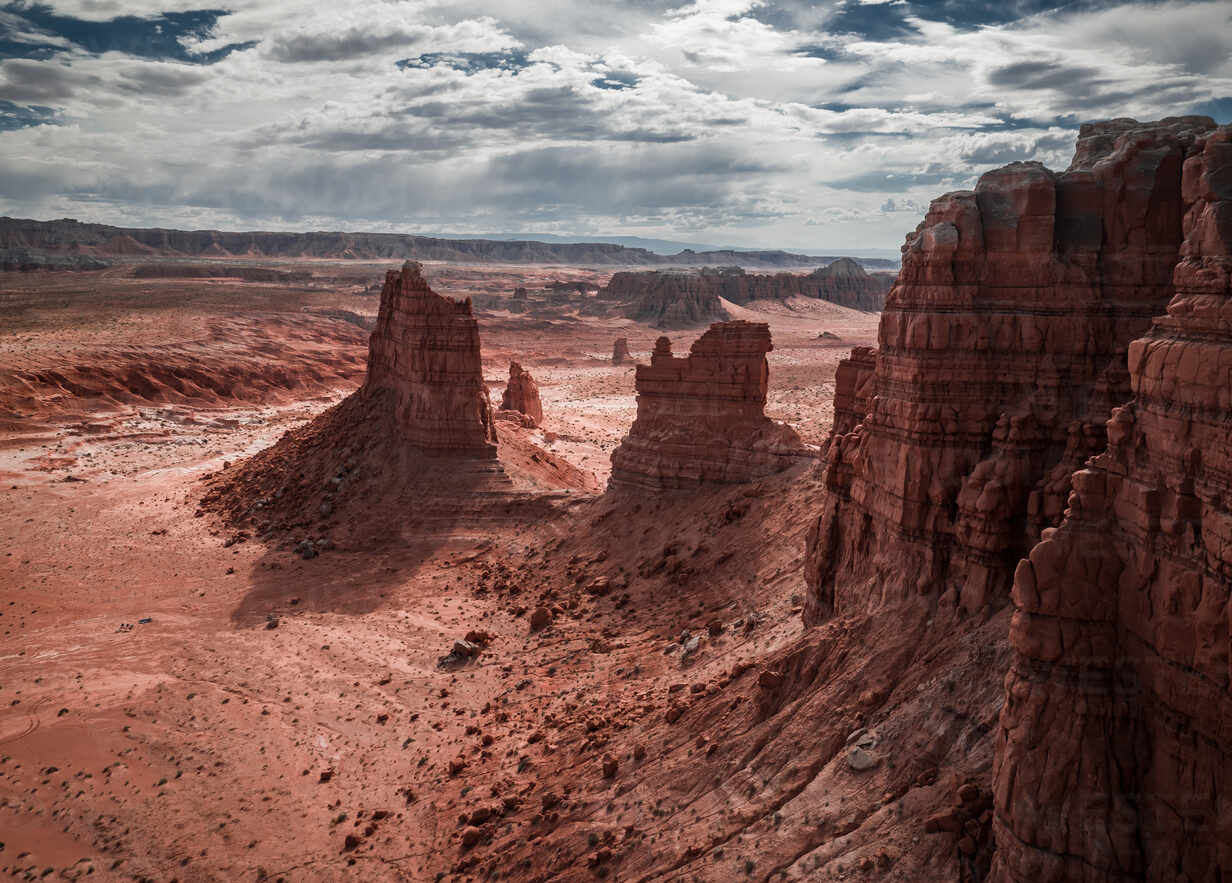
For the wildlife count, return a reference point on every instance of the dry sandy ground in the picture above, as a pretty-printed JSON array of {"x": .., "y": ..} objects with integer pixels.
[{"x": 179, "y": 701}]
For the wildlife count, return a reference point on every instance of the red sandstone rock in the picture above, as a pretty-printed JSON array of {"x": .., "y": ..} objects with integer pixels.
[
  {"x": 701, "y": 418},
  {"x": 522, "y": 394},
  {"x": 1001, "y": 353},
  {"x": 1114, "y": 757},
  {"x": 424, "y": 353},
  {"x": 620, "y": 351},
  {"x": 853, "y": 389}
]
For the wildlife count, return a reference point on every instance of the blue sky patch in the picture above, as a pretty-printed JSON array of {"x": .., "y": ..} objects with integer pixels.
[{"x": 155, "y": 38}]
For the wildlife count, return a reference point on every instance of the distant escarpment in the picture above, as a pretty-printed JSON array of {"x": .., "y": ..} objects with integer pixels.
[
  {"x": 1114, "y": 757},
  {"x": 70, "y": 236},
  {"x": 701, "y": 419},
  {"x": 1002, "y": 352},
  {"x": 679, "y": 299}
]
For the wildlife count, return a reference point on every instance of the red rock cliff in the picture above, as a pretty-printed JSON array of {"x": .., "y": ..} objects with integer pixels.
[
  {"x": 424, "y": 352},
  {"x": 1002, "y": 351},
  {"x": 854, "y": 380},
  {"x": 1114, "y": 759},
  {"x": 701, "y": 418}
]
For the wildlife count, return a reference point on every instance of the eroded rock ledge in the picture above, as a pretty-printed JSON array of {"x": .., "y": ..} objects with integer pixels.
[{"x": 701, "y": 418}]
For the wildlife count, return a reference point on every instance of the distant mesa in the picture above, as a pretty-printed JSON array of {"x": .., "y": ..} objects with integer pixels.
[
  {"x": 522, "y": 396},
  {"x": 67, "y": 236},
  {"x": 27, "y": 260},
  {"x": 701, "y": 418},
  {"x": 680, "y": 299}
]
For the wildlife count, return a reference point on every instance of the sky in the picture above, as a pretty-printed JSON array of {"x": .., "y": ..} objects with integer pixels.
[{"x": 754, "y": 123}]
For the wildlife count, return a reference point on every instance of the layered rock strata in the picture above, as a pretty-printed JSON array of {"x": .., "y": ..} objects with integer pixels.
[
  {"x": 652, "y": 293},
  {"x": 701, "y": 418},
  {"x": 1114, "y": 757},
  {"x": 522, "y": 395},
  {"x": 666, "y": 300},
  {"x": 1002, "y": 352},
  {"x": 424, "y": 355},
  {"x": 853, "y": 389}
]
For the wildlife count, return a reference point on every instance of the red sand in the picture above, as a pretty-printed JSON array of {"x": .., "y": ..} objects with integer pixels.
[{"x": 206, "y": 744}]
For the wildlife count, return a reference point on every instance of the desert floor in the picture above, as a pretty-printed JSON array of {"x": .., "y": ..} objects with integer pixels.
[{"x": 179, "y": 701}]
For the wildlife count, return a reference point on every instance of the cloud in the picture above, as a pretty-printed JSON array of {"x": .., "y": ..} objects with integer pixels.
[{"x": 800, "y": 123}]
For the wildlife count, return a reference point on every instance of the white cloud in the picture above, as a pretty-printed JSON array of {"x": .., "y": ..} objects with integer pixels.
[{"x": 733, "y": 120}]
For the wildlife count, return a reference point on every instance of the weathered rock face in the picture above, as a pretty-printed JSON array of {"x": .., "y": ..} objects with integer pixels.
[
  {"x": 620, "y": 351},
  {"x": 666, "y": 300},
  {"x": 700, "y": 419},
  {"x": 1002, "y": 351},
  {"x": 846, "y": 283},
  {"x": 853, "y": 389},
  {"x": 522, "y": 394},
  {"x": 1114, "y": 757},
  {"x": 679, "y": 299},
  {"x": 424, "y": 353}
]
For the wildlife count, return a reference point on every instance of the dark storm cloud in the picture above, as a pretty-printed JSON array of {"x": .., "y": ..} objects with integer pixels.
[
  {"x": 1044, "y": 75},
  {"x": 334, "y": 47},
  {"x": 28, "y": 81},
  {"x": 157, "y": 37},
  {"x": 556, "y": 112},
  {"x": 16, "y": 116}
]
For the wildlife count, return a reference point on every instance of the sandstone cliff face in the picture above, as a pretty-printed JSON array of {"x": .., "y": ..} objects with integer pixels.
[
  {"x": 1002, "y": 352},
  {"x": 1114, "y": 758},
  {"x": 854, "y": 382},
  {"x": 676, "y": 299},
  {"x": 522, "y": 394},
  {"x": 424, "y": 353},
  {"x": 700, "y": 419}
]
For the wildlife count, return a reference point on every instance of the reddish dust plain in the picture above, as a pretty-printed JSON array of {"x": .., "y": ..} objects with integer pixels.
[{"x": 182, "y": 701}]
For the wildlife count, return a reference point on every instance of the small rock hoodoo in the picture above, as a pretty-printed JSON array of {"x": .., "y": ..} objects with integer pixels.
[
  {"x": 700, "y": 418},
  {"x": 620, "y": 351},
  {"x": 522, "y": 395}
]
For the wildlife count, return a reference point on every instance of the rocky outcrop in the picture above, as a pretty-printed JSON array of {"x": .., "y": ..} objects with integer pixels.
[
  {"x": 693, "y": 297},
  {"x": 853, "y": 389},
  {"x": 522, "y": 395},
  {"x": 846, "y": 283},
  {"x": 666, "y": 300},
  {"x": 1002, "y": 352},
  {"x": 1114, "y": 758},
  {"x": 424, "y": 353},
  {"x": 620, "y": 351},
  {"x": 701, "y": 419}
]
